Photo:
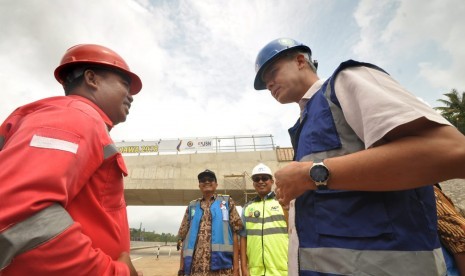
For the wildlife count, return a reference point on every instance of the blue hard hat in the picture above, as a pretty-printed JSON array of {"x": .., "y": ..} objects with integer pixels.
[{"x": 271, "y": 52}]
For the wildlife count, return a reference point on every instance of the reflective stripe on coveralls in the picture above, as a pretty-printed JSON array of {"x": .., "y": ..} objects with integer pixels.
[
  {"x": 372, "y": 233},
  {"x": 32, "y": 232},
  {"x": 109, "y": 150},
  {"x": 221, "y": 241}
]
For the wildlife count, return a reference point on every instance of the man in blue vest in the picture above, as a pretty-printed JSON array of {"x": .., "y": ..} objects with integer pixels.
[
  {"x": 209, "y": 232},
  {"x": 360, "y": 200},
  {"x": 264, "y": 239}
]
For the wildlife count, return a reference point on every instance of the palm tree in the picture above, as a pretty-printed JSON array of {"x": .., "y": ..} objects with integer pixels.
[{"x": 454, "y": 109}]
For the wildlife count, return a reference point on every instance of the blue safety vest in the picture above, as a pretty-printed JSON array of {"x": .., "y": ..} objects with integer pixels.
[
  {"x": 354, "y": 232},
  {"x": 221, "y": 241}
]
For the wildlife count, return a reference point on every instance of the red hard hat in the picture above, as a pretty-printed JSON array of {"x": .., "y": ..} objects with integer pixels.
[{"x": 95, "y": 55}]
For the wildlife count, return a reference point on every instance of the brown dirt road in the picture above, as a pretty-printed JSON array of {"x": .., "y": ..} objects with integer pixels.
[
  {"x": 165, "y": 266},
  {"x": 145, "y": 260}
]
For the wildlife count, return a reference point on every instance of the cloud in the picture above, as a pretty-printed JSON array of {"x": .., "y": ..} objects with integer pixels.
[{"x": 418, "y": 42}]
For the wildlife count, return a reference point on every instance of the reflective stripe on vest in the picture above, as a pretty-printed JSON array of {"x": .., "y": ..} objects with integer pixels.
[
  {"x": 215, "y": 248},
  {"x": 374, "y": 262},
  {"x": 265, "y": 232},
  {"x": 32, "y": 232},
  {"x": 265, "y": 220},
  {"x": 222, "y": 247}
]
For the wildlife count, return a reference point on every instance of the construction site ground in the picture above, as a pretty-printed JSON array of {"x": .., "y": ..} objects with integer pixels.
[{"x": 144, "y": 258}]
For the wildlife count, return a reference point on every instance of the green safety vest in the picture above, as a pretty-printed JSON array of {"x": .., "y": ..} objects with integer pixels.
[{"x": 267, "y": 238}]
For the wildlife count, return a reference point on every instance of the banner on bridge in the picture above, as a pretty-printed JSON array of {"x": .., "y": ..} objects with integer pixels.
[{"x": 147, "y": 147}]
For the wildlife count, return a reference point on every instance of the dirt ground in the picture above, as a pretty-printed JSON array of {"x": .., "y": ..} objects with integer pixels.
[
  {"x": 165, "y": 266},
  {"x": 145, "y": 260}
]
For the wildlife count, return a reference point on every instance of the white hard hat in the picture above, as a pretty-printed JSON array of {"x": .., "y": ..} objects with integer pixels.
[{"x": 261, "y": 169}]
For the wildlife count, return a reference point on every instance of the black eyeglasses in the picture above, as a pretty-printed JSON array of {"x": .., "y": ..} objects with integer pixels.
[
  {"x": 207, "y": 179},
  {"x": 264, "y": 178}
]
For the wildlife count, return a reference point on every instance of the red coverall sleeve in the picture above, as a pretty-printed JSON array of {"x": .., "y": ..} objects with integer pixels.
[{"x": 47, "y": 158}]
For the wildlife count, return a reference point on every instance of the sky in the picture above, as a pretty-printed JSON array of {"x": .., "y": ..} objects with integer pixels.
[{"x": 196, "y": 59}]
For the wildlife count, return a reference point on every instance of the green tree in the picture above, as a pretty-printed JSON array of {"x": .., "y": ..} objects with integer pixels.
[
  {"x": 454, "y": 109},
  {"x": 142, "y": 235}
]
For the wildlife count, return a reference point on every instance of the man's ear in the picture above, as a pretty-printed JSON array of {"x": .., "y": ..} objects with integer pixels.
[
  {"x": 301, "y": 61},
  {"x": 90, "y": 78}
]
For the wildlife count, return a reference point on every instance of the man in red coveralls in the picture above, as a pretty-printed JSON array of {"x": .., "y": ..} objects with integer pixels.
[{"x": 62, "y": 209}]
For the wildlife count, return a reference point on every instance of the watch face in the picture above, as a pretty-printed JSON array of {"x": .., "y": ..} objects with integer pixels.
[{"x": 319, "y": 173}]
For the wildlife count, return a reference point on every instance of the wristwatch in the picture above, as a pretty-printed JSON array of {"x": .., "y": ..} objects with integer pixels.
[{"x": 319, "y": 173}]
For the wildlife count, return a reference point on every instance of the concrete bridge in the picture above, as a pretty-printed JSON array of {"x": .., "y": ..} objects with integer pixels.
[{"x": 164, "y": 173}]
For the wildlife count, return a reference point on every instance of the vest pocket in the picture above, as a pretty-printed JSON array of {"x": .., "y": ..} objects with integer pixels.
[
  {"x": 351, "y": 214},
  {"x": 113, "y": 169}
]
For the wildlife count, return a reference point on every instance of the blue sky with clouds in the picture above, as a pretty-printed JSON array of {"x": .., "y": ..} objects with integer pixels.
[{"x": 196, "y": 58}]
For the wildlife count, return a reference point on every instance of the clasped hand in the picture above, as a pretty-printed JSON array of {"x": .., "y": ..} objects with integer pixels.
[{"x": 292, "y": 181}]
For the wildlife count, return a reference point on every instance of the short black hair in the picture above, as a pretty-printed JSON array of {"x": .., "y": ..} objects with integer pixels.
[{"x": 71, "y": 82}]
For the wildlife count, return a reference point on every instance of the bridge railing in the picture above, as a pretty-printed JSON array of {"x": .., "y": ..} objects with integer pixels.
[{"x": 198, "y": 145}]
